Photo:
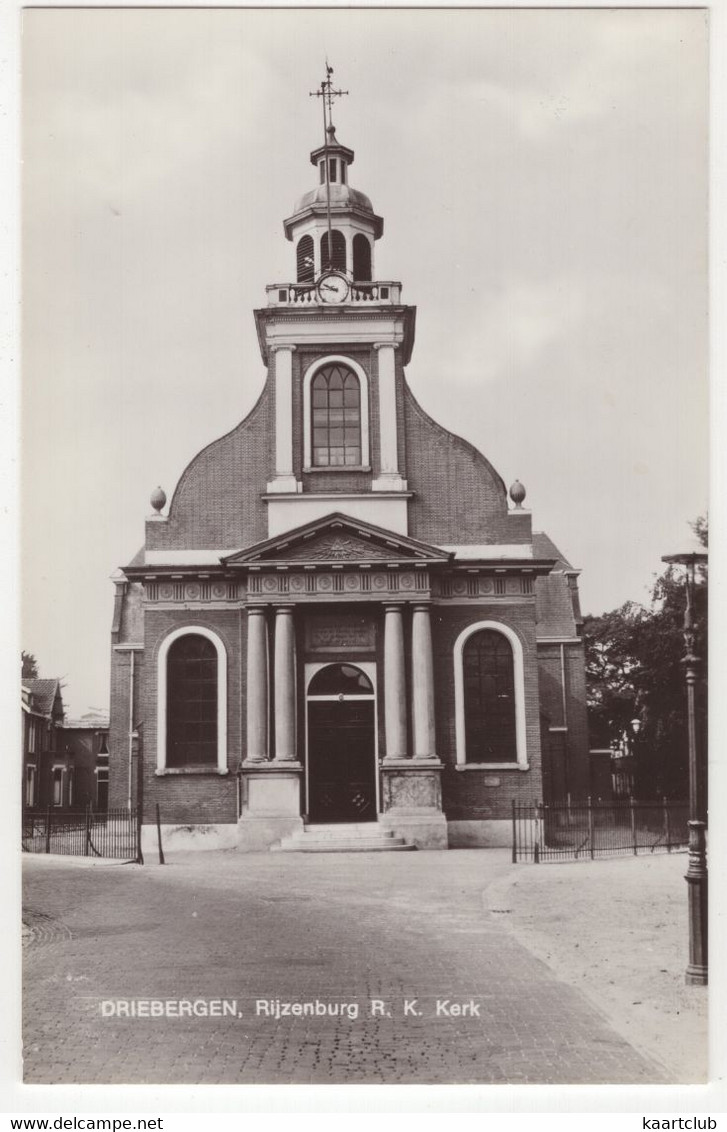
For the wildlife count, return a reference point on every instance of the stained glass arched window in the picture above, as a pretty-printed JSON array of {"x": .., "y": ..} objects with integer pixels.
[
  {"x": 191, "y": 701},
  {"x": 336, "y": 417},
  {"x": 489, "y": 698}
]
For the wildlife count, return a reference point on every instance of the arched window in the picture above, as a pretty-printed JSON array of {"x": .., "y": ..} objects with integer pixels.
[
  {"x": 336, "y": 262},
  {"x": 340, "y": 680},
  {"x": 489, "y": 698},
  {"x": 336, "y": 417},
  {"x": 304, "y": 257},
  {"x": 191, "y": 702},
  {"x": 361, "y": 258}
]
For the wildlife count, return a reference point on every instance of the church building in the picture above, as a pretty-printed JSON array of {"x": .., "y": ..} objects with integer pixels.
[{"x": 343, "y": 629}]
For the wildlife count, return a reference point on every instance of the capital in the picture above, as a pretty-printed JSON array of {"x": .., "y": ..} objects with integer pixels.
[
  {"x": 384, "y": 345},
  {"x": 282, "y": 346}
]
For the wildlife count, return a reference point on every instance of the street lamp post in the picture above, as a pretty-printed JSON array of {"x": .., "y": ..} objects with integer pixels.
[{"x": 696, "y": 875}]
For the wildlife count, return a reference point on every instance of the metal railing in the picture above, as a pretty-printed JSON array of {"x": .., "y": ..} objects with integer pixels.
[
  {"x": 83, "y": 833},
  {"x": 586, "y": 830},
  {"x": 305, "y": 294}
]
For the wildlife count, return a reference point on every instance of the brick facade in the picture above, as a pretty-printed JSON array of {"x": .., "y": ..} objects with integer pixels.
[{"x": 460, "y": 551}]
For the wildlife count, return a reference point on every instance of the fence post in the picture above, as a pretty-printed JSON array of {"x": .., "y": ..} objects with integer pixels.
[
  {"x": 49, "y": 811},
  {"x": 536, "y": 827},
  {"x": 591, "y": 842},
  {"x": 161, "y": 851},
  {"x": 514, "y": 834},
  {"x": 634, "y": 839},
  {"x": 135, "y": 816},
  {"x": 88, "y": 831},
  {"x": 667, "y": 828}
]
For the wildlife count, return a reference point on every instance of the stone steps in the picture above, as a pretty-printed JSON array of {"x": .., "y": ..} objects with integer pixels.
[{"x": 359, "y": 837}]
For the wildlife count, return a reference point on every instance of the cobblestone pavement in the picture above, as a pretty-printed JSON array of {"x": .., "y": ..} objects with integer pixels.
[{"x": 338, "y": 928}]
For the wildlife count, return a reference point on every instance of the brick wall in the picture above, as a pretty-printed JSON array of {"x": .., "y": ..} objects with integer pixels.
[
  {"x": 459, "y": 497},
  {"x": 465, "y": 795},
  {"x": 193, "y": 798},
  {"x": 217, "y": 501}
]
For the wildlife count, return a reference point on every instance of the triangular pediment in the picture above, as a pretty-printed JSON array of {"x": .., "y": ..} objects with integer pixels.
[{"x": 338, "y": 539}]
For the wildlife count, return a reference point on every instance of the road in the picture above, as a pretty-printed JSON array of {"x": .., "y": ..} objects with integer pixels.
[{"x": 435, "y": 989}]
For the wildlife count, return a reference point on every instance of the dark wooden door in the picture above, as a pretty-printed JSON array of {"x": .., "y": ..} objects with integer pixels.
[{"x": 341, "y": 761}]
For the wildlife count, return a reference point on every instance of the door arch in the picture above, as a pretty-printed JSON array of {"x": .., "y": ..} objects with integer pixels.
[{"x": 341, "y": 742}]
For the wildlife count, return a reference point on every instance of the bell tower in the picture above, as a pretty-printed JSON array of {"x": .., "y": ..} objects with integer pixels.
[{"x": 335, "y": 341}]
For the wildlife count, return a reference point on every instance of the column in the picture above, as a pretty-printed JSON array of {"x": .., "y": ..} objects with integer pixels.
[
  {"x": 394, "y": 683},
  {"x": 388, "y": 478},
  {"x": 422, "y": 684},
  {"x": 284, "y": 685},
  {"x": 257, "y": 685},
  {"x": 284, "y": 478}
]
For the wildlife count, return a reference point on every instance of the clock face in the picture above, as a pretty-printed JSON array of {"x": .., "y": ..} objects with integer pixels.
[{"x": 332, "y": 288}]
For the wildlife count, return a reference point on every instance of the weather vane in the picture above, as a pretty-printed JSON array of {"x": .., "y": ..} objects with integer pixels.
[{"x": 327, "y": 93}]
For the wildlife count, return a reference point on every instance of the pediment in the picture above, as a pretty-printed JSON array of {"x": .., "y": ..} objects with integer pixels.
[{"x": 338, "y": 539}]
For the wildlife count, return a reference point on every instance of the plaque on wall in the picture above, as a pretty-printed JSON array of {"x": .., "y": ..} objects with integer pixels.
[{"x": 340, "y": 632}]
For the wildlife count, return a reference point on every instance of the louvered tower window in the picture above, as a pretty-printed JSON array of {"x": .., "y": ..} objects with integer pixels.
[
  {"x": 336, "y": 262},
  {"x": 361, "y": 258},
  {"x": 304, "y": 257},
  {"x": 489, "y": 698},
  {"x": 336, "y": 417},
  {"x": 191, "y": 702}
]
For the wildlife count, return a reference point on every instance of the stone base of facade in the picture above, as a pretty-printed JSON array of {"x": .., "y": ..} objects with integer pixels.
[
  {"x": 270, "y": 804},
  {"x": 180, "y": 838},
  {"x": 426, "y": 829},
  {"x": 481, "y": 834},
  {"x": 259, "y": 834}
]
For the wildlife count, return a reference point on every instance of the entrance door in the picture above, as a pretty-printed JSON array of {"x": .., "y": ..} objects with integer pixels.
[{"x": 341, "y": 745}]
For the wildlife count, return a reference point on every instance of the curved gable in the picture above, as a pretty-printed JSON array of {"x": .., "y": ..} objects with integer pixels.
[
  {"x": 217, "y": 501},
  {"x": 458, "y": 495}
]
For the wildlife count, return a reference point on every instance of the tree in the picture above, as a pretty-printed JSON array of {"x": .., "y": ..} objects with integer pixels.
[
  {"x": 634, "y": 671},
  {"x": 29, "y": 666}
]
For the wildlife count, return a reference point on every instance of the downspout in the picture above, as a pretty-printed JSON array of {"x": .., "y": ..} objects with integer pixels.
[{"x": 131, "y": 726}]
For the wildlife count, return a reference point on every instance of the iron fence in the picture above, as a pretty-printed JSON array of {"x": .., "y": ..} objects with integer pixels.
[
  {"x": 585, "y": 830},
  {"x": 83, "y": 833}
]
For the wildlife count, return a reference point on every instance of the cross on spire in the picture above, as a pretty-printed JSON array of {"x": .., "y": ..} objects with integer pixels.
[{"x": 327, "y": 93}]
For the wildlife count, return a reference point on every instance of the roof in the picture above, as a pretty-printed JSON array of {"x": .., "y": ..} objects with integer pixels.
[
  {"x": 471, "y": 552},
  {"x": 42, "y": 694},
  {"x": 91, "y": 721},
  {"x": 544, "y": 547}
]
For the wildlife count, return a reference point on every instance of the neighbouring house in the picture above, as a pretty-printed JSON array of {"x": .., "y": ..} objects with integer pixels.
[
  {"x": 47, "y": 771},
  {"x": 86, "y": 743}
]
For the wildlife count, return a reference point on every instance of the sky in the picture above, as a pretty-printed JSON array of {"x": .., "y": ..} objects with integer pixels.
[{"x": 543, "y": 179}]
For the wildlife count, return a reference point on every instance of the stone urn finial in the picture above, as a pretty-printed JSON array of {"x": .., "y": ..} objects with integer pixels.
[
  {"x": 517, "y": 494},
  {"x": 158, "y": 499}
]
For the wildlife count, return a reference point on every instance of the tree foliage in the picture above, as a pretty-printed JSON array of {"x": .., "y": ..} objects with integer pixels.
[
  {"x": 29, "y": 666},
  {"x": 635, "y": 671}
]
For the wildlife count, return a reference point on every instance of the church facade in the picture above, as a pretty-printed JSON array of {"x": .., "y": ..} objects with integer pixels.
[{"x": 342, "y": 618}]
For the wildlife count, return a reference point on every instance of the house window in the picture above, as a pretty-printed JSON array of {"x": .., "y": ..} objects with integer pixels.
[
  {"x": 361, "y": 259},
  {"x": 57, "y": 786},
  {"x": 31, "y": 736},
  {"x": 191, "y": 702},
  {"x": 336, "y": 417},
  {"x": 30, "y": 785},
  {"x": 304, "y": 259},
  {"x": 70, "y": 787},
  {"x": 489, "y": 694},
  {"x": 337, "y": 261}
]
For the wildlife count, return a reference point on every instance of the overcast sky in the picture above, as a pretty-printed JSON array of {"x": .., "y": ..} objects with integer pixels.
[{"x": 542, "y": 176}]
